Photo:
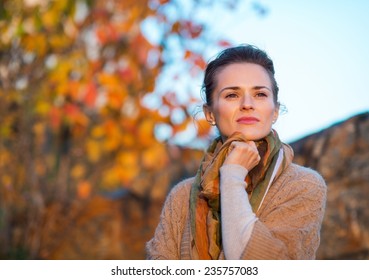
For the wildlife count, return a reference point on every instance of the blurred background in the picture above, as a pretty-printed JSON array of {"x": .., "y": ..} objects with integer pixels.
[{"x": 101, "y": 114}]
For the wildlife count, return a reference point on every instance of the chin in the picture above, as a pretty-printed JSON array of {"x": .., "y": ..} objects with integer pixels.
[
  {"x": 254, "y": 135},
  {"x": 251, "y": 133}
]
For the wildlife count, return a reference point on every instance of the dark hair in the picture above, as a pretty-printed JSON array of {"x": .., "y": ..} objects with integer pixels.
[{"x": 242, "y": 53}]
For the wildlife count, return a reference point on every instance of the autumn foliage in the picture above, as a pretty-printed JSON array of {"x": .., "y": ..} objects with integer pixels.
[{"x": 73, "y": 122}]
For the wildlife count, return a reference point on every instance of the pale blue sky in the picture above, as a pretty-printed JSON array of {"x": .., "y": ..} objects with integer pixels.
[
  {"x": 320, "y": 50},
  {"x": 321, "y": 54}
]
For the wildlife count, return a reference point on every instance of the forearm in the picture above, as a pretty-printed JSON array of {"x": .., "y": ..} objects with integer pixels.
[{"x": 237, "y": 216}]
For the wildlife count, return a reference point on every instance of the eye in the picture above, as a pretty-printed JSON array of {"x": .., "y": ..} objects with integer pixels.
[
  {"x": 261, "y": 94},
  {"x": 231, "y": 95}
]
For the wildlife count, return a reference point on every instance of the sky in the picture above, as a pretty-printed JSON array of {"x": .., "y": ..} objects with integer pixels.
[{"x": 320, "y": 50}]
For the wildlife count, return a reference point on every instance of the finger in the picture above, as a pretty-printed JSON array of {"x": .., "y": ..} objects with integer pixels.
[{"x": 252, "y": 144}]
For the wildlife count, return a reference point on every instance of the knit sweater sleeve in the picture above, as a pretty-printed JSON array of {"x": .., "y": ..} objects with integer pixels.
[
  {"x": 289, "y": 225},
  {"x": 165, "y": 245},
  {"x": 237, "y": 216}
]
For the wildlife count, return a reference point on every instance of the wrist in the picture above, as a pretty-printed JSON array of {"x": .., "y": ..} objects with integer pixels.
[{"x": 233, "y": 171}]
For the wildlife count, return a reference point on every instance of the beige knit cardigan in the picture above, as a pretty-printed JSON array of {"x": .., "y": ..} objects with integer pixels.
[{"x": 288, "y": 225}]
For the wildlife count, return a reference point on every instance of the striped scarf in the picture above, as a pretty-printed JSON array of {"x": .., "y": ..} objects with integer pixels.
[{"x": 205, "y": 191}]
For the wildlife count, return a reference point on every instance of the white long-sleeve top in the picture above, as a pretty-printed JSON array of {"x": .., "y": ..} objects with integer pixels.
[{"x": 237, "y": 216}]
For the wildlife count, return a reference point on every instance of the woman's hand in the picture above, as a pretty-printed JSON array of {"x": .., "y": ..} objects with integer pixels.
[{"x": 243, "y": 153}]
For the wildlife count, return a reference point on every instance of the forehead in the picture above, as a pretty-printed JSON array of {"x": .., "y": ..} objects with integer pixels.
[{"x": 243, "y": 74}]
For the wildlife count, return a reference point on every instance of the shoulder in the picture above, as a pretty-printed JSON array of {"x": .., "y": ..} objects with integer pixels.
[
  {"x": 304, "y": 175},
  {"x": 176, "y": 205},
  {"x": 296, "y": 188},
  {"x": 300, "y": 180},
  {"x": 179, "y": 195}
]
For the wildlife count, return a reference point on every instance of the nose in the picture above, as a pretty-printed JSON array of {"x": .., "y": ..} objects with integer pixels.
[{"x": 247, "y": 103}]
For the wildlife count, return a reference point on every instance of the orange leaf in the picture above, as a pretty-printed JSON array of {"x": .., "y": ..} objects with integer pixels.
[
  {"x": 73, "y": 89},
  {"x": 116, "y": 100},
  {"x": 107, "y": 33},
  {"x": 108, "y": 80},
  {"x": 224, "y": 44},
  {"x": 142, "y": 47},
  {"x": 36, "y": 43},
  {"x": 194, "y": 30},
  {"x": 74, "y": 116},
  {"x": 90, "y": 95},
  {"x": 176, "y": 27},
  {"x": 128, "y": 75},
  {"x": 181, "y": 127},
  {"x": 113, "y": 136},
  {"x": 84, "y": 189},
  {"x": 188, "y": 54},
  {"x": 203, "y": 127},
  {"x": 200, "y": 62},
  {"x": 146, "y": 132},
  {"x": 55, "y": 117}
]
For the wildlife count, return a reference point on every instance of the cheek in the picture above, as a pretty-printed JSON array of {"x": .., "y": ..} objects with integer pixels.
[
  {"x": 270, "y": 111},
  {"x": 223, "y": 112}
]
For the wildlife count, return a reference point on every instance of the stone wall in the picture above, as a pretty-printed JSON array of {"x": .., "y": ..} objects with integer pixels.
[{"x": 341, "y": 154}]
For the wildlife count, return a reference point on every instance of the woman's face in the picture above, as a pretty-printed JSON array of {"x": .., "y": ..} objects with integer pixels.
[{"x": 243, "y": 101}]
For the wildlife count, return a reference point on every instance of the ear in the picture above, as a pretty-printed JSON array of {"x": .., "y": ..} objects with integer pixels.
[
  {"x": 209, "y": 116},
  {"x": 276, "y": 113}
]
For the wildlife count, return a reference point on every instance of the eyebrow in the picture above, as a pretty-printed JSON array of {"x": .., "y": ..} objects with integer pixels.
[
  {"x": 261, "y": 87},
  {"x": 238, "y": 88}
]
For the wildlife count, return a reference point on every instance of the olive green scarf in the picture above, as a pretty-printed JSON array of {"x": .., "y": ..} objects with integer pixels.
[{"x": 205, "y": 192}]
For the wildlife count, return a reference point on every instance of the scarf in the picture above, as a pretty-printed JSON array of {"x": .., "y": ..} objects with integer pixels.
[{"x": 205, "y": 192}]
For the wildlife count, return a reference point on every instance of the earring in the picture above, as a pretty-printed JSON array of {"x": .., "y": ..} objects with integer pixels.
[{"x": 213, "y": 123}]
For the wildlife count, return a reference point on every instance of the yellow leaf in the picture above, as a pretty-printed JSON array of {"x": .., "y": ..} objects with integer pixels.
[
  {"x": 60, "y": 75},
  {"x": 127, "y": 159},
  {"x": 50, "y": 18},
  {"x": 78, "y": 171},
  {"x": 6, "y": 180},
  {"x": 93, "y": 150},
  {"x": 111, "y": 143},
  {"x": 59, "y": 41},
  {"x": 126, "y": 175},
  {"x": 36, "y": 43},
  {"x": 110, "y": 178},
  {"x": 155, "y": 157},
  {"x": 39, "y": 131},
  {"x": 127, "y": 167},
  {"x": 97, "y": 132},
  {"x": 128, "y": 140},
  {"x": 42, "y": 107},
  {"x": 4, "y": 158}
]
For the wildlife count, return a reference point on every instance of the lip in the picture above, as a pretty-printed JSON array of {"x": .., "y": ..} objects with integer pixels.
[{"x": 248, "y": 120}]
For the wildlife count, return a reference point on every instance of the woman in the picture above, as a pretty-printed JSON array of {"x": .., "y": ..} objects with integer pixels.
[{"x": 248, "y": 200}]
